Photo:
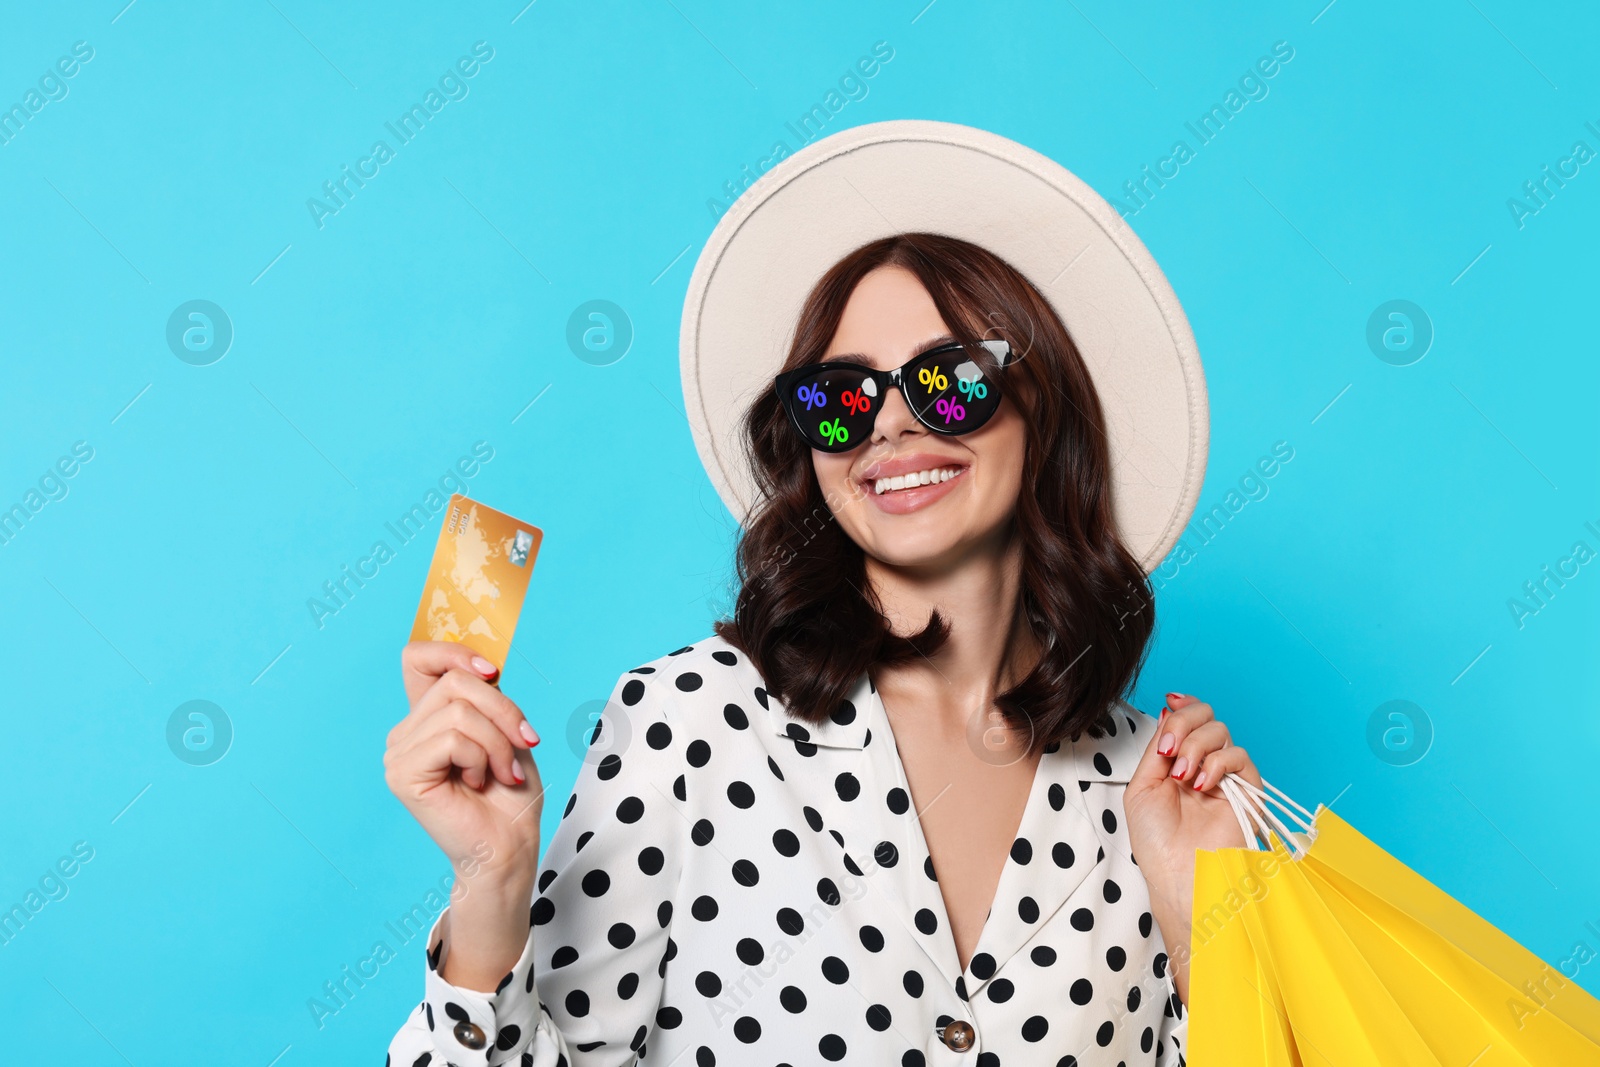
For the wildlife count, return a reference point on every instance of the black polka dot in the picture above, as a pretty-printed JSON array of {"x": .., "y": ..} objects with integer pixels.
[
  {"x": 832, "y": 1047},
  {"x": 844, "y": 714},
  {"x": 1000, "y": 990},
  {"x": 620, "y": 935},
  {"x": 827, "y": 892},
  {"x": 669, "y": 1018},
  {"x": 749, "y": 951},
  {"x": 658, "y": 736},
  {"x": 1082, "y": 991},
  {"x": 736, "y": 717},
  {"x": 595, "y": 883},
  {"x": 982, "y": 966},
  {"x": 747, "y": 1029},
  {"x": 630, "y": 810},
  {"x": 1111, "y": 891},
  {"x": 793, "y": 999},
  {"x": 1035, "y": 1027},
  {"x": 724, "y": 657},
  {"x": 688, "y": 681},
  {"x": 651, "y": 860},
  {"x": 1058, "y": 796},
  {"x": 1061, "y": 854},
  {"x": 886, "y": 854},
  {"x": 632, "y": 691},
  {"x": 878, "y": 1017},
  {"x": 790, "y": 921},
  {"x": 912, "y": 981},
  {"x": 835, "y": 970},
  {"x": 1107, "y": 1031},
  {"x": 708, "y": 984},
  {"x": 698, "y": 753},
  {"x": 847, "y": 785},
  {"x": 1108, "y": 819},
  {"x": 1116, "y": 958},
  {"x": 785, "y": 842},
  {"x": 926, "y": 921},
  {"x": 871, "y": 938},
  {"x": 608, "y": 768},
  {"x": 1083, "y": 919},
  {"x": 577, "y": 1003},
  {"x": 1028, "y": 910},
  {"x": 740, "y": 795},
  {"x": 745, "y": 873},
  {"x": 627, "y": 986},
  {"x": 704, "y": 908},
  {"x": 899, "y": 802},
  {"x": 702, "y": 832},
  {"x": 1102, "y": 764},
  {"x": 1043, "y": 956}
]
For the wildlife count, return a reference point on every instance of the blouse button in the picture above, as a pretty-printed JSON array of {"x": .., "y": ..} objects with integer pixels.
[
  {"x": 958, "y": 1036},
  {"x": 469, "y": 1035}
]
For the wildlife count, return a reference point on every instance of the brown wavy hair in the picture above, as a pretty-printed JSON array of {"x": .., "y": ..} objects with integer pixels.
[{"x": 804, "y": 613}]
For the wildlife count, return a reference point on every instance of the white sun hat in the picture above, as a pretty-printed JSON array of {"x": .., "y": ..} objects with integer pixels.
[{"x": 836, "y": 194}]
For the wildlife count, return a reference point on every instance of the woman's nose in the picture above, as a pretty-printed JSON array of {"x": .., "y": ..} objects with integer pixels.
[{"x": 894, "y": 419}]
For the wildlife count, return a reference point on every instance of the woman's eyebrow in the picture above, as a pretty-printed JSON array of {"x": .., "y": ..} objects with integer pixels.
[{"x": 857, "y": 357}]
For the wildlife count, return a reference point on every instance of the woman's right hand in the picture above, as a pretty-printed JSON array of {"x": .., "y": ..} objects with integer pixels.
[{"x": 457, "y": 763}]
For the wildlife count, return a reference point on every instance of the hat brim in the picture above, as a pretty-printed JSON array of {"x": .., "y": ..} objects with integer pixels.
[{"x": 836, "y": 194}]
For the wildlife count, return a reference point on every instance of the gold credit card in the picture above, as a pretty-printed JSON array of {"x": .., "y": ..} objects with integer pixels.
[{"x": 478, "y": 579}]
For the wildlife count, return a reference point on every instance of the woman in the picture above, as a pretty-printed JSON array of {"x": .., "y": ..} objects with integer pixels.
[{"x": 889, "y": 813}]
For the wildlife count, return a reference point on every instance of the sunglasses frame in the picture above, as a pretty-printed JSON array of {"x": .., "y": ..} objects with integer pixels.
[{"x": 887, "y": 379}]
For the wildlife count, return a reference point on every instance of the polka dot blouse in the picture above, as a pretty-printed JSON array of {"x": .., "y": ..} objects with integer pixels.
[{"x": 728, "y": 885}]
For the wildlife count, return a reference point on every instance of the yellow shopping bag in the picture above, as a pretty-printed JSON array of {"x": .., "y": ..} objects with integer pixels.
[{"x": 1323, "y": 949}]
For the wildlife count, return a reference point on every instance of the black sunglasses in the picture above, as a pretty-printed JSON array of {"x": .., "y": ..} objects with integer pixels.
[{"x": 950, "y": 389}]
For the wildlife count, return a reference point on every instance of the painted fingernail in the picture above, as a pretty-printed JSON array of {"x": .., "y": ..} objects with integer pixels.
[
  {"x": 483, "y": 666},
  {"x": 527, "y": 733},
  {"x": 1200, "y": 780},
  {"x": 1167, "y": 741},
  {"x": 516, "y": 771},
  {"x": 1174, "y": 696},
  {"x": 1181, "y": 765}
]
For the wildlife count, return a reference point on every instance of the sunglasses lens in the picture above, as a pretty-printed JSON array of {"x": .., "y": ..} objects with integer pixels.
[
  {"x": 834, "y": 407},
  {"x": 953, "y": 392}
]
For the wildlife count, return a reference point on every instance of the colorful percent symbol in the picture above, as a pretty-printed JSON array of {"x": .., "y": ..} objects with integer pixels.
[
  {"x": 855, "y": 401},
  {"x": 950, "y": 410},
  {"x": 812, "y": 396},
  {"x": 971, "y": 388},
  {"x": 834, "y": 433},
  {"x": 933, "y": 379}
]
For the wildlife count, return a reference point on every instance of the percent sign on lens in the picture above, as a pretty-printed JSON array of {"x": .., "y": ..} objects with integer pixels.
[
  {"x": 833, "y": 432},
  {"x": 933, "y": 379},
  {"x": 812, "y": 397},
  {"x": 855, "y": 401},
  {"x": 950, "y": 410},
  {"x": 972, "y": 389}
]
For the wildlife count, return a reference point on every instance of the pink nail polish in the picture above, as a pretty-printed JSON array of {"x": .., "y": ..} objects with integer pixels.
[
  {"x": 1165, "y": 748},
  {"x": 516, "y": 771},
  {"x": 1180, "y": 766},
  {"x": 483, "y": 666},
  {"x": 1200, "y": 780},
  {"x": 527, "y": 733}
]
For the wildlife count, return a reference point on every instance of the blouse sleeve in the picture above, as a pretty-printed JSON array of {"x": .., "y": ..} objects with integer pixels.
[
  {"x": 586, "y": 987},
  {"x": 1174, "y": 1039}
]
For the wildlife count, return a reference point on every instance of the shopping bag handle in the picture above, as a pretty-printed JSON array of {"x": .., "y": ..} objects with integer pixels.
[{"x": 1254, "y": 807}]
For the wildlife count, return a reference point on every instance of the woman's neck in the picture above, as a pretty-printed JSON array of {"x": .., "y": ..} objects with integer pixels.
[{"x": 991, "y": 646}]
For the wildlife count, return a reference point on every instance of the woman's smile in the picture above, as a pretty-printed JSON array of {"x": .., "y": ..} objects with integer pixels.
[{"x": 910, "y": 483}]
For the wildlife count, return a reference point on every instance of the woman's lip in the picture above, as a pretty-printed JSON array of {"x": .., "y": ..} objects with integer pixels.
[
  {"x": 902, "y": 501},
  {"x": 916, "y": 461}
]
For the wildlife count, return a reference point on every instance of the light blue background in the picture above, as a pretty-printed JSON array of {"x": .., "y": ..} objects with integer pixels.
[{"x": 430, "y": 311}]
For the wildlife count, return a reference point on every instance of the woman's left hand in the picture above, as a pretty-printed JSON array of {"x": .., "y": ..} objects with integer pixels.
[{"x": 1174, "y": 807}]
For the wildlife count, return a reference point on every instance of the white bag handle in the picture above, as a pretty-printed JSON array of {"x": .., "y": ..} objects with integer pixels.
[{"x": 1254, "y": 808}]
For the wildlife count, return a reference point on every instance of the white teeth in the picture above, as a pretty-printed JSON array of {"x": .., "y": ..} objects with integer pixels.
[{"x": 926, "y": 477}]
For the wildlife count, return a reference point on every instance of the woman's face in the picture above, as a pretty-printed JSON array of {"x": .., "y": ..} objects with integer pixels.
[{"x": 889, "y": 318}]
